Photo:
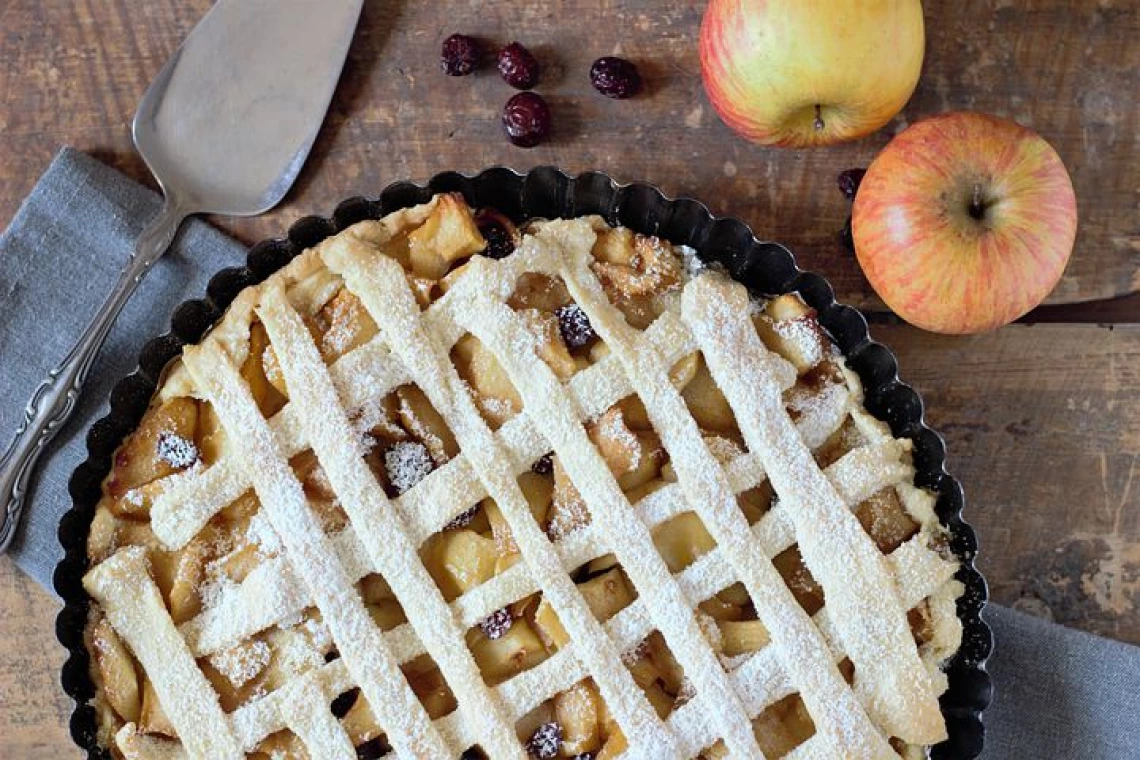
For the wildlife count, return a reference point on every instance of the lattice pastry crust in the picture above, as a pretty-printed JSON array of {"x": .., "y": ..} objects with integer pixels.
[{"x": 413, "y": 494}]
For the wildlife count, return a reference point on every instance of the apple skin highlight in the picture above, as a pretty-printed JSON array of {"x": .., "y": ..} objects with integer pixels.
[
  {"x": 798, "y": 73},
  {"x": 964, "y": 222}
]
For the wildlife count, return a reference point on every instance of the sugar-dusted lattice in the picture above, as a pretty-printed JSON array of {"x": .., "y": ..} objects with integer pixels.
[{"x": 342, "y": 437}]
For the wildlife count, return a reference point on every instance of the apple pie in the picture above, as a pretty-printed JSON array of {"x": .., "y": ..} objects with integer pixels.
[{"x": 446, "y": 486}]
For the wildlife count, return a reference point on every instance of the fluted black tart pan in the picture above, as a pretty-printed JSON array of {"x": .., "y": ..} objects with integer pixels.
[{"x": 766, "y": 268}]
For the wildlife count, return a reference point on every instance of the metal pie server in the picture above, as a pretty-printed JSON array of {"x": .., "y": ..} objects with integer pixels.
[{"x": 225, "y": 128}]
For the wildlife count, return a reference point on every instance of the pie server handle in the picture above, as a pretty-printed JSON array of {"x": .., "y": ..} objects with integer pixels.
[{"x": 54, "y": 400}]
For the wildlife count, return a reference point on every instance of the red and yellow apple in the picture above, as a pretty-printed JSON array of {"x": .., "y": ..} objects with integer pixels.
[
  {"x": 798, "y": 73},
  {"x": 964, "y": 222}
]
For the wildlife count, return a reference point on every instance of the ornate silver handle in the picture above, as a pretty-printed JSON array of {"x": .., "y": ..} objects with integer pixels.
[{"x": 55, "y": 399}]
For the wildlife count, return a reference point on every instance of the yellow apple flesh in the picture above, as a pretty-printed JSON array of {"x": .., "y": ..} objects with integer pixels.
[
  {"x": 799, "y": 73},
  {"x": 964, "y": 222}
]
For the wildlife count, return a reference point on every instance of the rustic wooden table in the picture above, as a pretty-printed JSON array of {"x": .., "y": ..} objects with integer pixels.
[{"x": 1040, "y": 419}]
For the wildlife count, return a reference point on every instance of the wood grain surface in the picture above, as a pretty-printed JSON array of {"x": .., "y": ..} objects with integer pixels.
[
  {"x": 34, "y": 710},
  {"x": 73, "y": 72},
  {"x": 1041, "y": 421}
]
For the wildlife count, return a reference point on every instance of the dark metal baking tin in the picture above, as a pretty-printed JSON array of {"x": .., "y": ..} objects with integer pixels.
[{"x": 766, "y": 268}]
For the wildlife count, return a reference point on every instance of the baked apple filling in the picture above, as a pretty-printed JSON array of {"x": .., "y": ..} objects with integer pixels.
[{"x": 232, "y": 592}]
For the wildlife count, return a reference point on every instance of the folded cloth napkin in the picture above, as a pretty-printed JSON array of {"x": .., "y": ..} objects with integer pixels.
[
  {"x": 1059, "y": 693},
  {"x": 58, "y": 260}
]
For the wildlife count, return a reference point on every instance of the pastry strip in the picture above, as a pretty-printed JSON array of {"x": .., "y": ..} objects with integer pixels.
[
  {"x": 132, "y": 602},
  {"x": 707, "y": 491},
  {"x": 379, "y": 283},
  {"x": 273, "y": 591},
  {"x": 585, "y": 549},
  {"x": 860, "y": 591},
  {"x": 189, "y": 499},
  {"x": 359, "y": 641},
  {"x": 304, "y": 707},
  {"x": 376, "y": 523}
]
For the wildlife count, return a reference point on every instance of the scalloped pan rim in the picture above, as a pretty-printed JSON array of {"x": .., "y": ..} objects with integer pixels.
[{"x": 765, "y": 268}]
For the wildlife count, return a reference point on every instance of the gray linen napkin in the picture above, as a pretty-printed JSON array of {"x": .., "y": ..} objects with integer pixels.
[
  {"x": 1059, "y": 693},
  {"x": 58, "y": 261}
]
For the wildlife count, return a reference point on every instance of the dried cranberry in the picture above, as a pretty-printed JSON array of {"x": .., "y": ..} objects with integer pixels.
[
  {"x": 545, "y": 742},
  {"x": 460, "y": 55},
  {"x": 463, "y": 519},
  {"x": 848, "y": 182},
  {"x": 518, "y": 67},
  {"x": 498, "y": 231},
  {"x": 176, "y": 451},
  {"x": 496, "y": 625},
  {"x": 373, "y": 749},
  {"x": 544, "y": 465},
  {"x": 342, "y": 704},
  {"x": 575, "y": 326},
  {"x": 526, "y": 119},
  {"x": 407, "y": 463},
  {"x": 499, "y": 243},
  {"x": 615, "y": 77}
]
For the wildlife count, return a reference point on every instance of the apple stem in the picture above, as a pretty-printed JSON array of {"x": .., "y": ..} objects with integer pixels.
[
  {"x": 977, "y": 205},
  {"x": 818, "y": 123}
]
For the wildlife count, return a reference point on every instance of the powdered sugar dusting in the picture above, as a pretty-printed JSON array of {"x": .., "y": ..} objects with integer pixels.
[
  {"x": 638, "y": 651},
  {"x": 693, "y": 264},
  {"x": 612, "y": 426},
  {"x": 703, "y": 576},
  {"x": 872, "y": 620},
  {"x": 359, "y": 640},
  {"x": 260, "y": 532},
  {"x": 176, "y": 451},
  {"x": 371, "y": 421},
  {"x": 318, "y": 633},
  {"x": 420, "y": 430},
  {"x": 819, "y": 417},
  {"x": 686, "y": 692},
  {"x": 242, "y": 663},
  {"x": 463, "y": 519},
  {"x": 574, "y": 325},
  {"x": 572, "y": 516},
  {"x": 545, "y": 742},
  {"x": 337, "y": 339},
  {"x": 215, "y": 589},
  {"x": 407, "y": 462},
  {"x": 136, "y": 610},
  {"x": 496, "y": 625},
  {"x": 804, "y": 334},
  {"x": 710, "y": 630},
  {"x": 363, "y": 377},
  {"x": 724, "y": 450},
  {"x": 296, "y": 650}
]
